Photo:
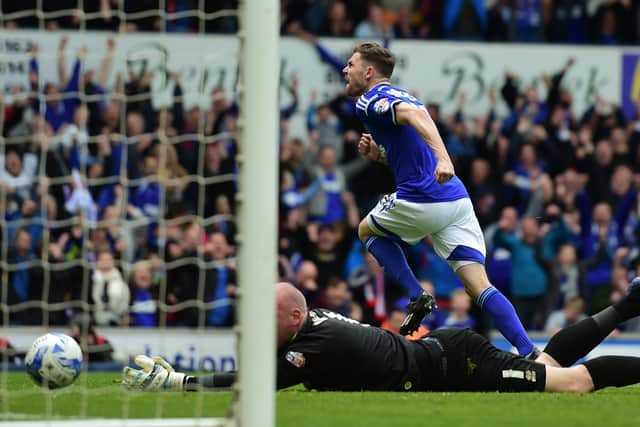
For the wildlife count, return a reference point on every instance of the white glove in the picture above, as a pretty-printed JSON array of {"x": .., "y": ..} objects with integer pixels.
[{"x": 156, "y": 375}]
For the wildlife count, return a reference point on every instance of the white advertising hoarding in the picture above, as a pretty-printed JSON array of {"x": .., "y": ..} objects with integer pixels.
[
  {"x": 436, "y": 71},
  {"x": 186, "y": 349}
]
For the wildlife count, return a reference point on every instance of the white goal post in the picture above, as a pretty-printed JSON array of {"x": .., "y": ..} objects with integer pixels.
[{"x": 258, "y": 203}]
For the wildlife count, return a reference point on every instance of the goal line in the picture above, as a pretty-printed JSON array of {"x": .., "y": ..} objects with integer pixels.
[{"x": 146, "y": 422}]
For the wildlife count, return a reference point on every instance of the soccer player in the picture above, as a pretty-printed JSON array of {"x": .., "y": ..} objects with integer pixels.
[
  {"x": 326, "y": 351},
  {"x": 429, "y": 199}
]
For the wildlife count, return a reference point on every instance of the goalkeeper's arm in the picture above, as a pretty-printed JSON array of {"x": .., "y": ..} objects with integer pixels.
[{"x": 156, "y": 374}]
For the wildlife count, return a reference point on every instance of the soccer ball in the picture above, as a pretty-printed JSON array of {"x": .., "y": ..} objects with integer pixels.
[{"x": 54, "y": 360}]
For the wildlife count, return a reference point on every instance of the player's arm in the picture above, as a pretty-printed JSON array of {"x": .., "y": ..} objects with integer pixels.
[
  {"x": 421, "y": 121},
  {"x": 287, "y": 374},
  {"x": 156, "y": 374}
]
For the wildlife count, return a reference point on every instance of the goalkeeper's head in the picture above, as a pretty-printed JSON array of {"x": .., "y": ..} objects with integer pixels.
[{"x": 291, "y": 310}]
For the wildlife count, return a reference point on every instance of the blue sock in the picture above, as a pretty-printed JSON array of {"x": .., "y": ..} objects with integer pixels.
[
  {"x": 391, "y": 258},
  {"x": 505, "y": 319}
]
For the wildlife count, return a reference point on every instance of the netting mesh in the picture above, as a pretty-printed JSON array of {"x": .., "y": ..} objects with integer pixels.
[{"x": 117, "y": 155}]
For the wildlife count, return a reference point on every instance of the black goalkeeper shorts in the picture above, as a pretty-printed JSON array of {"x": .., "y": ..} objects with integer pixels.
[{"x": 453, "y": 359}]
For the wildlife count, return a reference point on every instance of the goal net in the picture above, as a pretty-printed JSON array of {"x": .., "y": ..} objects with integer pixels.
[{"x": 138, "y": 212}]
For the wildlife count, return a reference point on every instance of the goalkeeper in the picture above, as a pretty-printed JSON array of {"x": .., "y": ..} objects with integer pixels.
[{"x": 326, "y": 351}]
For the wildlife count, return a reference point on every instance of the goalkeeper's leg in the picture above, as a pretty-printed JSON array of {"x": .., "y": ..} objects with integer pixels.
[{"x": 576, "y": 341}]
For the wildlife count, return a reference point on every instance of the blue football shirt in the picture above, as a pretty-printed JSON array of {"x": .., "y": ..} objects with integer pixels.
[{"x": 410, "y": 158}]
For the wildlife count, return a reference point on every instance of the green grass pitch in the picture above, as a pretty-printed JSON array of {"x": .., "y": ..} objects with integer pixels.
[{"x": 95, "y": 395}]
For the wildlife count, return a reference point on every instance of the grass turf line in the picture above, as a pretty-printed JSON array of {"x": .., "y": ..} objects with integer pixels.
[{"x": 296, "y": 407}]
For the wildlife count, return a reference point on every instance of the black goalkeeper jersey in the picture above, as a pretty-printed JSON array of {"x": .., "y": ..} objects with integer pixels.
[{"x": 333, "y": 352}]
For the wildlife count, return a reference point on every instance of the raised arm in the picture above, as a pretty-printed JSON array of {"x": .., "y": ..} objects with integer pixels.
[
  {"x": 107, "y": 62},
  {"x": 34, "y": 79},
  {"x": 421, "y": 121},
  {"x": 336, "y": 63},
  {"x": 62, "y": 61}
]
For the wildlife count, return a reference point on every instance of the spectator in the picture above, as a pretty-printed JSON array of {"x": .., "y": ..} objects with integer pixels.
[
  {"x": 335, "y": 297},
  {"x": 374, "y": 26},
  {"x": 406, "y": 26},
  {"x": 601, "y": 236},
  {"x": 144, "y": 200},
  {"x": 221, "y": 282},
  {"x": 572, "y": 312},
  {"x": 499, "y": 267},
  {"x": 532, "y": 185},
  {"x": 483, "y": 192},
  {"x": 337, "y": 23},
  {"x": 218, "y": 163},
  {"x": 225, "y": 224},
  {"x": 61, "y": 99},
  {"x": 326, "y": 206},
  {"x": 459, "y": 316},
  {"x": 109, "y": 292},
  {"x": 500, "y": 21},
  {"x": 26, "y": 279},
  {"x": 612, "y": 23},
  {"x": 306, "y": 279},
  {"x": 568, "y": 20},
  {"x": 529, "y": 285},
  {"x": 327, "y": 246},
  {"x": 568, "y": 273},
  {"x": 184, "y": 277},
  {"x": 528, "y": 20},
  {"x": 144, "y": 298},
  {"x": 324, "y": 127}
]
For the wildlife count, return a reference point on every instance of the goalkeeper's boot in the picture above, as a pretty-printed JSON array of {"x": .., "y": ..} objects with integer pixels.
[
  {"x": 633, "y": 292},
  {"x": 418, "y": 308}
]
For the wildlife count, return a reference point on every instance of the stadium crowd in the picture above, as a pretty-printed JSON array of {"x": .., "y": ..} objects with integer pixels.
[
  {"x": 114, "y": 207},
  {"x": 608, "y": 22}
]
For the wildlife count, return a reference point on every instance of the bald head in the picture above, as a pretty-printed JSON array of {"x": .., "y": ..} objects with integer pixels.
[
  {"x": 291, "y": 310},
  {"x": 289, "y": 297}
]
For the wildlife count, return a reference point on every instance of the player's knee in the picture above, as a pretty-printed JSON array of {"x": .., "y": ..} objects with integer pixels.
[
  {"x": 584, "y": 382},
  {"x": 474, "y": 287},
  {"x": 471, "y": 290},
  {"x": 474, "y": 279},
  {"x": 580, "y": 380}
]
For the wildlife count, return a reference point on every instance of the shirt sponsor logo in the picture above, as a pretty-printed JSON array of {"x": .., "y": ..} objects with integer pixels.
[
  {"x": 296, "y": 359},
  {"x": 381, "y": 106},
  {"x": 528, "y": 375},
  {"x": 512, "y": 373}
]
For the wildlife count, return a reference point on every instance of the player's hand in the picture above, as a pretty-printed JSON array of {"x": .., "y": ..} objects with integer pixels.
[
  {"x": 156, "y": 375},
  {"x": 368, "y": 147},
  {"x": 444, "y": 171}
]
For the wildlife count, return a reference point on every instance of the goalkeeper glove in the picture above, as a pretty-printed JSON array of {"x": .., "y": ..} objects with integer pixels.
[{"x": 156, "y": 375}]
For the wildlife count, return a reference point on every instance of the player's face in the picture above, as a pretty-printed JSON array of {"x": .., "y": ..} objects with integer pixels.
[{"x": 355, "y": 73}]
